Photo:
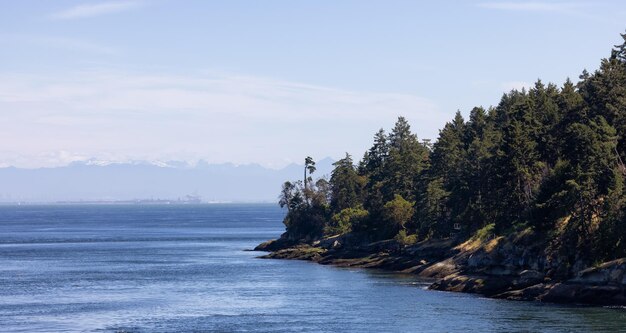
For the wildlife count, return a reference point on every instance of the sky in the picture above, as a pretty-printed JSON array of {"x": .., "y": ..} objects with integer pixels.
[{"x": 270, "y": 81}]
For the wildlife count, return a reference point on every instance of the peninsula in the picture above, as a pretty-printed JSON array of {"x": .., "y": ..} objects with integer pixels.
[{"x": 523, "y": 201}]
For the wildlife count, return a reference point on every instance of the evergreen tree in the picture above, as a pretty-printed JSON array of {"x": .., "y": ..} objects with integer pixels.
[
  {"x": 549, "y": 159},
  {"x": 548, "y": 116},
  {"x": 517, "y": 168},
  {"x": 604, "y": 94},
  {"x": 476, "y": 173},
  {"x": 447, "y": 193},
  {"x": 345, "y": 184},
  {"x": 405, "y": 163},
  {"x": 375, "y": 158},
  {"x": 372, "y": 169}
]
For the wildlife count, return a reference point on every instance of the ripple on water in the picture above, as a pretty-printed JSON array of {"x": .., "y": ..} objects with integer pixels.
[{"x": 183, "y": 269}]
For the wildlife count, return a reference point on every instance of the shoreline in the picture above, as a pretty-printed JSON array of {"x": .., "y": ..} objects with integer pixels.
[{"x": 499, "y": 268}]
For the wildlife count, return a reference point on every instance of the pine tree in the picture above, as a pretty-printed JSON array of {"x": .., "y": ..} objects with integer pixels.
[
  {"x": 448, "y": 162},
  {"x": 372, "y": 169},
  {"x": 604, "y": 93},
  {"x": 518, "y": 170},
  {"x": 345, "y": 184},
  {"x": 407, "y": 159},
  {"x": 547, "y": 115},
  {"x": 549, "y": 159},
  {"x": 479, "y": 140}
]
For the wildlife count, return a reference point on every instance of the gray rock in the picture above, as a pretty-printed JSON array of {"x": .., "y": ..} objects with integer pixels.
[
  {"x": 530, "y": 276},
  {"x": 612, "y": 272}
]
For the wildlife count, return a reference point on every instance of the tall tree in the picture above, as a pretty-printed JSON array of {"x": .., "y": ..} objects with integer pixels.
[
  {"x": 446, "y": 193},
  {"x": 375, "y": 158},
  {"x": 309, "y": 165},
  {"x": 480, "y": 141},
  {"x": 547, "y": 116},
  {"x": 406, "y": 161},
  {"x": 346, "y": 185},
  {"x": 604, "y": 93},
  {"x": 373, "y": 170}
]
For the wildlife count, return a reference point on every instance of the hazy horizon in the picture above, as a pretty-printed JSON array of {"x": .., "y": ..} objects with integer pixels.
[{"x": 81, "y": 181}]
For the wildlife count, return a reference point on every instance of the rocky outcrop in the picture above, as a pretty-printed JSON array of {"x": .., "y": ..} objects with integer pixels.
[
  {"x": 301, "y": 252},
  {"x": 272, "y": 245},
  {"x": 509, "y": 271},
  {"x": 515, "y": 267},
  {"x": 604, "y": 284},
  {"x": 608, "y": 274}
]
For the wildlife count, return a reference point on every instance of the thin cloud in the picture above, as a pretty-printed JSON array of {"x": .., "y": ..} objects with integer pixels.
[
  {"x": 57, "y": 42},
  {"x": 530, "y": 6},
  {"x": 219, "y": 118},
  {"x": 91, "y": 10},
  {"x": 580, "y": 10},
  {"x": 74, "y": 44}
]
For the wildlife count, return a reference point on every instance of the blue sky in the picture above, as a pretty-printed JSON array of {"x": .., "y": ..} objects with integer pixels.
[{"x": 269, "y": 82}]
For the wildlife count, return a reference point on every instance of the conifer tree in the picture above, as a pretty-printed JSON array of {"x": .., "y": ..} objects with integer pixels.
[
  {"x": 448, "y": 161},
  {"x": 546, "y": 159},
  {"x": 345, "y": 184},
  {"x": 405, "y": 163}
]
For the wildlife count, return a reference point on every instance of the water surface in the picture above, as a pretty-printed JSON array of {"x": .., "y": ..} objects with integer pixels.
[{"x": 184, "y": 269}]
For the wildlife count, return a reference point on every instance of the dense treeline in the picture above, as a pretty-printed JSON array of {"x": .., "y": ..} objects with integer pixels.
[{"x": 547, "y": 160}]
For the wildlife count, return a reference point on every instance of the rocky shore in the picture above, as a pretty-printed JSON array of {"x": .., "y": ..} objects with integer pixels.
[{"x": 515, "y": 267}]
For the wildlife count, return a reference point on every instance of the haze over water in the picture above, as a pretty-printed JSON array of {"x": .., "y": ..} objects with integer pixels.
[{"x": 184, "y": 269}]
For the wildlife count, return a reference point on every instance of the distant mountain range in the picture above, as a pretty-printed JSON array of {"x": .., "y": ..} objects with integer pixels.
[{"x": 95, "y": 181}]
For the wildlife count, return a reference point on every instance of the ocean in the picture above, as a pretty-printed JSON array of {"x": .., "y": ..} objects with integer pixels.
[{"x": 188, "y": 268}]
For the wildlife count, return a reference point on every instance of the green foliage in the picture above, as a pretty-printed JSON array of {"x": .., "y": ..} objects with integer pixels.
[
  {"x": 309, "y": 165},
  {"x": 406, "y": 161},
  {"x": 307, "y": 206},
  {"x": 405, "y": 239},
  {"x": 344, "y": 221},
  {"x": 485, "y": 232},
  {"x": 547, "y": 158},
  {"x": 433, "y": 214},
  {"x": 398, "y": 212},
  {"x": 346, "y": 185}
]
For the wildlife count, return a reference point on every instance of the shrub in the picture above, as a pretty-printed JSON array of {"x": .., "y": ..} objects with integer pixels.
[
  {"x": 485, "y": 232},
  {"x": 405, "y": 239},
  {"x": 398, "y": 211},
  {"x": 344, "y": 221}
]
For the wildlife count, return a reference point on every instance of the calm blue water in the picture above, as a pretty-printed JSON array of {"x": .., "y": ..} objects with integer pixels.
[{"x": 184, "y": 269}]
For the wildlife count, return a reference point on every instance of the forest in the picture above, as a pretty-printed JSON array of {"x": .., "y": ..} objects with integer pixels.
[{"x": 546, "y": 161}]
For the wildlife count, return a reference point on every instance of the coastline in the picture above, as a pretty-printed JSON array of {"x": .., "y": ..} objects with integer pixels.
[{"x": 512, "y": 268}]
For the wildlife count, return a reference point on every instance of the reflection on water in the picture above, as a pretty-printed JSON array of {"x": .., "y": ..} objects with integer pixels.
[{"x": 183, "y": 268}]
